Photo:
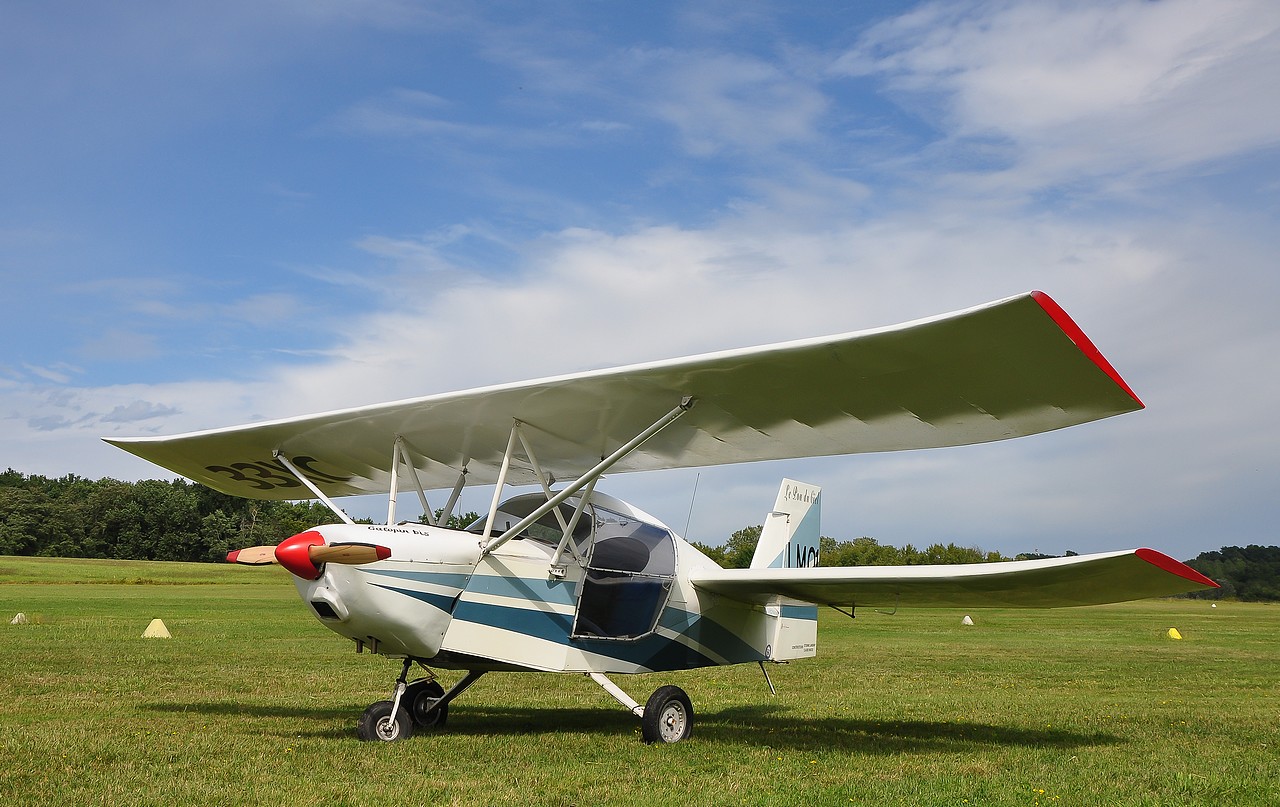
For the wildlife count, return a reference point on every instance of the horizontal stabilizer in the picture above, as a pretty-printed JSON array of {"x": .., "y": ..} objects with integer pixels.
[{"x": 1051, "y": 583}]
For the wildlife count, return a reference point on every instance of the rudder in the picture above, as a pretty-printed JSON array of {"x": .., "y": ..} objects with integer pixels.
[{"x": 789, "y": 538}]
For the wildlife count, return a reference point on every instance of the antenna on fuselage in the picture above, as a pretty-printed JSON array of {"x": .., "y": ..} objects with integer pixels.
[{"x": 689, "y": 518}]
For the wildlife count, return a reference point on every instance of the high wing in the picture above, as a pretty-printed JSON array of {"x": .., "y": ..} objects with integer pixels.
[
  {"x": 1050, "y": 583},
  {"x": 1014, "y": 367}
]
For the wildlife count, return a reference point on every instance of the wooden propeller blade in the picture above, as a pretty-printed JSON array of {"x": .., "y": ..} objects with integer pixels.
[
  {"x": 318, "y": 554},
  {"x": 351, "y": 553},
  {"x": 253, "y": 556}
]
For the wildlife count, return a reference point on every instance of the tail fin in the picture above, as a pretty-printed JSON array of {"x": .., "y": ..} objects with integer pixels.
[{"x": 790, "y": 535}]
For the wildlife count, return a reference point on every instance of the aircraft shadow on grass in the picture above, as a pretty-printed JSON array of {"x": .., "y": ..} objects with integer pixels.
[
  {"x": 225, "y": 708},
  {"x": 782, "y": 728},
  {"x": 773, "y": 726}
]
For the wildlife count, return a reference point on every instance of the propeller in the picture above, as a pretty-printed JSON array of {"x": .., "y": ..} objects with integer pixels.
[{"x": 303, "y": 554}]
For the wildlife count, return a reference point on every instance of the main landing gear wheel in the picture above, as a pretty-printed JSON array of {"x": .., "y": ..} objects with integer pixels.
[
  {"x": 668, "y": 716},
  {"x": 378, "y": 723},
  {"x": 418, "y": 696}
]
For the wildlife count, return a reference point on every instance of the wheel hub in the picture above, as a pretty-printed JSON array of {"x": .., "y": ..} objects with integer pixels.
[{"x": 672, "y": 722}]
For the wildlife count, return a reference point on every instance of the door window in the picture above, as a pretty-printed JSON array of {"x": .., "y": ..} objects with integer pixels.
[{"x": 628, "y": 579}]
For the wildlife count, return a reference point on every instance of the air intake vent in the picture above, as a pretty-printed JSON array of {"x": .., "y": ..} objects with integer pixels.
[{"x": 324, "y": 610}]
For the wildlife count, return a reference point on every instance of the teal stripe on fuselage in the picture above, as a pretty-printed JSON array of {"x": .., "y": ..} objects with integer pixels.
[
  {"x": 441, "y": 601},
  {"x": 710, "y": 635},
  {"x": 446, "y": 579},
  {"x": 800, "y": 612},
  {"x": 654, "y": 652},
  {"x": 556, "y": 592},
  {"x": 707, "y": 636}
]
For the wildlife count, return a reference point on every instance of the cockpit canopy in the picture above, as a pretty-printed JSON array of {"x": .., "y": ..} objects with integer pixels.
[
  {"x": 547, "y": 530},
  {"x": 629, "y": 560}
]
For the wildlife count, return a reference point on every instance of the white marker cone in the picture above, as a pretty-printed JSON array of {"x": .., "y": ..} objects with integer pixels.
[
  {"x": 156, "y": 630},
  {"x": 20, "y": 619},
  {"x": 968, "y": 620}
]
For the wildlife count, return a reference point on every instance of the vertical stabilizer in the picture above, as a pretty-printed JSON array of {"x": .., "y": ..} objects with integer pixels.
[
  {"x": 789, "y": 540},
  {"x": 790, "y": 535}
]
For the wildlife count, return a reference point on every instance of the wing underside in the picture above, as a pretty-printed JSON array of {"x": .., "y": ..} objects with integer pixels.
[
  {"x": 1049, "y": 583},
  {"x": 1006, "y": 369}
]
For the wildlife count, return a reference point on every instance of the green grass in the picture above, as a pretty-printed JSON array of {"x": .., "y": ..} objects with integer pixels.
[{"x": 253, "y": 702}]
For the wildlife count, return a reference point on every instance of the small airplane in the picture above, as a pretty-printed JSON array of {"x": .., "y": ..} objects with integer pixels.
[{"x": 565, "y": 578}]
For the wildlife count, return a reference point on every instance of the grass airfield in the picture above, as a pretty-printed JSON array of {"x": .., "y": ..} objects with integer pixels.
[{"x": 252, "y": 701}]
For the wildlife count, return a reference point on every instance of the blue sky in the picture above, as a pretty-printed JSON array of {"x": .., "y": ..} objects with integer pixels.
[{"x": 213, "y": 214}]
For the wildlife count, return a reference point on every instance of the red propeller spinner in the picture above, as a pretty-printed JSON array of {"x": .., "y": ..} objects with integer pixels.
[{"x": 306, "y": 553}]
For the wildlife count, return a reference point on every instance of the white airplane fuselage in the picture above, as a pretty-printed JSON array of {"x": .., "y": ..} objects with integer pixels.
[{"x": 441, "y": 600}]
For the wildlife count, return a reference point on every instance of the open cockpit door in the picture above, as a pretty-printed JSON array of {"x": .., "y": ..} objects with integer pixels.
[{"x": 627, "y": 580}]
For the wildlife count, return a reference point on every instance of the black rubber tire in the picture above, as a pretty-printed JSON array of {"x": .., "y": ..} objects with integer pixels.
[
  {"x": 668, "y": 716},
  {"x": 417, "y": 696},
  {"x": 377, "y": 723}
]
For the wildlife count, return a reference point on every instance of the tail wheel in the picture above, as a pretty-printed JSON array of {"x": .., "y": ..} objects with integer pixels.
[
  {"x": 379, "y": 723},
  {"x": 419, "y": 696},
  {"x": 668, "y": 716}
]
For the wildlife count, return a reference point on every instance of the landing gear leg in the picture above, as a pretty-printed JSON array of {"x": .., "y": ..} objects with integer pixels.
[
  {"x": 666, "y": 718},
  {"x": 428, "y": 702},
  {"x": 385, "y": 721}
]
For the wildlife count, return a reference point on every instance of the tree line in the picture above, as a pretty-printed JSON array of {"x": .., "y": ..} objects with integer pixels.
[
  {"x": 1249, "y": 574},
  {"x": 864, "y": 551},
  {"x": 74, "y": 517}
]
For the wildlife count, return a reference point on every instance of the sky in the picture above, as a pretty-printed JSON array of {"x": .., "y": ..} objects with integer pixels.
[{"x": 212, "y": 214}]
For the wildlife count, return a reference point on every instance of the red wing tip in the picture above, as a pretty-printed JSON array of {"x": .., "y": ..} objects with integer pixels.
[
  {"x": 1075, "y": 334},
  {"x": 1160, "y": 559},
  {"x": 232, "y": 555}
]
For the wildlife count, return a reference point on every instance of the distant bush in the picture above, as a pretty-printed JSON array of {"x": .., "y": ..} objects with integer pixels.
[
  {"x": 1250, "y": 574},
  {"x": 864, "y": 551}
]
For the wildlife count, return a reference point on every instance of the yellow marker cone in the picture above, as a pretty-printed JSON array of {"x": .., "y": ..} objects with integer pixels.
[
  {"x": 156, "y": 630},
  {"x": 1173, "y": 633}
]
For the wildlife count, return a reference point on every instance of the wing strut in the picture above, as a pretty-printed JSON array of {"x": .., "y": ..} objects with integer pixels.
[
  {"x": 453, "y": 499},
  {"x": 311, "y": 486},
  {"x": 557, "y": 566},
  {"x": 578, "y": 484},
  {"x": 400, "y": 453},
  {"x": 497, "y": 486}
]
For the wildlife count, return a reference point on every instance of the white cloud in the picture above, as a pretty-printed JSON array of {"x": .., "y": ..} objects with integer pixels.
[
  {"x": 788, "y": 247},
  {"x": 1089, "y": 88},
  {"x": 58, "y": 373},
  {"x": 591, "y": 298},
  {"x": 137, "y": 411},
  {"x": 722, "y": 101}
]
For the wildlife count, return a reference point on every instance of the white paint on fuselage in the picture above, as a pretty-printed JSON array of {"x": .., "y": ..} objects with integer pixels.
[{"x": 437, "y": 596}]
